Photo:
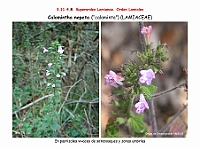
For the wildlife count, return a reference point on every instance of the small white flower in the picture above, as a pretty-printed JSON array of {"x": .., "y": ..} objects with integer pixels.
[
  {"x": 64, "y": 74},
  {"x": 47, "y": 73},
  {"x": 58, "y": 75},
  {"x": 50, "y": 64},
  {"x": 45, "y": 50},
  {"x": 48, "y": 84},
  {"x": 53, "y": 85},
  {"x": 60, "y": 50}
]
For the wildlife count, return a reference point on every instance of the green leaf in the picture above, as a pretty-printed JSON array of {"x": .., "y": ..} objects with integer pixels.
[
  {"x": 116, "y": 112},
  {"x": 36, "y": 120},
  {"x": 137, "y": 124},
  {"x": 78, "y": 119},
  {"x": 133, "y": 78},
  {"x": 55, "y": 126},
  {"x": 164, "y": 58},
  {"x": 152, "y": 88},
  {"x": 120, "y": 120},
  {"x": 57, "y": 100},
  {"x": 26, "y": 124},
  {"x": 148, "y": 90},
  {"x": 155, "y": 69},
  {"x": 29, "y": 114},
  {"x": 74, "y": 133},
  {"x": 84, "y": 131},
  {"x": 58, "y": 81},
  {"x": 118, "y": 92},
  {"x": 115, "y": 103},
  {"x": 29, "y": 130},
  {"x": 47, "y": 117},
  {"x": 128, "y": 71},
  {"x": 112, "y": 129}
]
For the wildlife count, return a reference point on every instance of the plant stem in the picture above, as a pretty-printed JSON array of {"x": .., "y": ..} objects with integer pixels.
[
  {"x": 142, "y": 39},
  {"x": 131, "y": 105},
  {"x": 33, "y": 103},
  {"x": 150, "y": 102},
  {"x": 152, "y": 117},
  {"x": 170, "y": 90}
]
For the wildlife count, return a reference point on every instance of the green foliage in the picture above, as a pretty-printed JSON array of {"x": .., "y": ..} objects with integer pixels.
[
  {"x": 112, "y": 130},
  {"x": 52, "y": 116},
  {"x": 77, "y": 129},
  {"x": 120, "y": 120},
  {"x": 149, "y": 59},
  {"x": 137, "y": 125}
]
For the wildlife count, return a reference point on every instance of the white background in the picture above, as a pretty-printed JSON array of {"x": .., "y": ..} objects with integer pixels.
[{"x": 172, "y": 10}]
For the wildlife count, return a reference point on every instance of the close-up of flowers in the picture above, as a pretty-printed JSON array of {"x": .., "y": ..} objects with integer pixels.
[
  {"x": 141, "y": 105},
  {"x": 138, "y": 83},
  {"x": 147, "y": 76},
  {"x": 113, "y": 79}
]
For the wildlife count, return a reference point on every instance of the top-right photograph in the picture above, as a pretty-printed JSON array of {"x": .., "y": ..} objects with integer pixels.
[{"x": 144, "y": 79}]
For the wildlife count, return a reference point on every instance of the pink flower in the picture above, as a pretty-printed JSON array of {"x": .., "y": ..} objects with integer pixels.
[
  {"x": 141, "y": 105},
  {"x": 60, "y": 50},
  {"x": 113, "y": 78},
  {"x": 147, "y": 33},
  {"x": 44, "y": 50},
  {"x": 58, "y": 75},
  {"x": 47, "y": 73},
  {"x": 50, "y": 64},
  {"x": 147, "y": 76}
]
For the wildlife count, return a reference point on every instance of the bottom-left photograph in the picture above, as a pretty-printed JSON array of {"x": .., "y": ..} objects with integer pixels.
[{"x": 55, "y": 79}]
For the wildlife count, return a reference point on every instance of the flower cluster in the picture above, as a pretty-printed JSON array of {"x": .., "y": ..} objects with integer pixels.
[
  {"x": 60, "y": 50},
  {"x": 113, "y": 79},
  {"x": 146, "y": 76}
]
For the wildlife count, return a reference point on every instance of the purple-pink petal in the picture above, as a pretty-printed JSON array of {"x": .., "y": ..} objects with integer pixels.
[
  {"x": 142, "y": 99},
  {"x": 113, "y": 78},
  {"x": 112, "y": 74},
  {"x": 143, "y": 72},
  {"x": 147, "y": 76},
  {"x": 141, "y": 105}
]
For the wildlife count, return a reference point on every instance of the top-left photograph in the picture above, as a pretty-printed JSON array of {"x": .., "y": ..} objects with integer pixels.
[{"x": 55, "y": 79}]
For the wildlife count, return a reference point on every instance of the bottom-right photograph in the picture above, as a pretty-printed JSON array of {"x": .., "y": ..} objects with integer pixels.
[{"x": 144, "y": 79}]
